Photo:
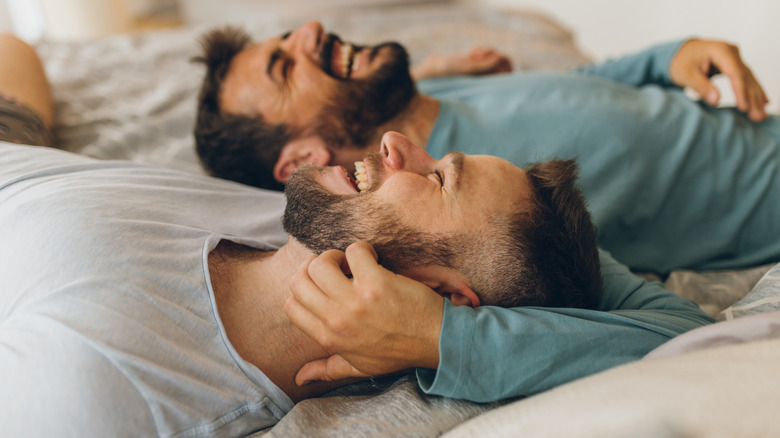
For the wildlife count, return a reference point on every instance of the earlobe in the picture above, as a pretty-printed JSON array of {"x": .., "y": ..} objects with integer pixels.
[
  {"x": 283, "y": 169},
  {"x": 464, "y": 296},
  {"x": 446, "y": 282},
  {"x": 310, "y": 150}
]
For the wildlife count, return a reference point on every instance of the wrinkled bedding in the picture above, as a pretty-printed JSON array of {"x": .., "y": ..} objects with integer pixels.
[
  {"x": 715, "y": 381},
  {"x": 133, "y": 97}
]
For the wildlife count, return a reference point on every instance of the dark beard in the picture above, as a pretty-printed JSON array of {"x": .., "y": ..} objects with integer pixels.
[
  {"x": 361, "y": 106},
  {"x": 316, "y": 218},
  {"x": 321, "y": 221}
]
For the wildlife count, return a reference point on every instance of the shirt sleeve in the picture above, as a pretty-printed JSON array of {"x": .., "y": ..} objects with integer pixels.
[
  {"x": 647, "y": 67},
  {"x": 491, "y": 353}
]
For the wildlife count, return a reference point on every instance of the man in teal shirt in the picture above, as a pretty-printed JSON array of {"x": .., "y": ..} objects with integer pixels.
[{"x": 671, "y": 183}]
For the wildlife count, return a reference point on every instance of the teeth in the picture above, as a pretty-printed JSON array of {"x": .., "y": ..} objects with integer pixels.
[
  {"x": 360, "y": 175},
  {"x": 355, "y": 63},
  {"x": 346, "y": 56}
]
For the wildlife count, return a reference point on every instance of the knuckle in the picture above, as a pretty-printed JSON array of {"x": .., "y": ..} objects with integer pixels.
[
  {"x": 317, "y": 263},
  {"x": 327, "y": 343},
  {"x": 356, "y": 247},
  {"x": 335, "y": 324},
  {"x": 296, "y": 281},
  {"x": 371, "y": 293}
]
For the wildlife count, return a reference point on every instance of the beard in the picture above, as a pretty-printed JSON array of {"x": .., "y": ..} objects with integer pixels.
[
  {"x": 360, "y": 106},
  {"x": 321, "y": 220}
]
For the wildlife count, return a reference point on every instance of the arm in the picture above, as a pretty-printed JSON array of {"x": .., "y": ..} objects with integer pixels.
[
  {"x": 543, "y": 348},
  {"x": 689, "y": 64},
  {"x": 650, "y": 66},
  {"x": 480, "y": 354},
  {"x": 478, "y": 61},
  {"x": 24, "y": 79}
]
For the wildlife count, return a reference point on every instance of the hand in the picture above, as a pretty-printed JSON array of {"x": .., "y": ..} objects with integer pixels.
[
  {"x": 698, "y": 60},
  {"x": 479, "y": 61},
  {"x": 374, "y": 323}
]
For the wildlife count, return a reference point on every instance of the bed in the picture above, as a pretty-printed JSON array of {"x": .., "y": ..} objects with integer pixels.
[{"x": 133, "y": 97}]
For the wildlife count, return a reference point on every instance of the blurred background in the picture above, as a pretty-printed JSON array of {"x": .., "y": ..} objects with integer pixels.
[{"x": 602, "y": 28}]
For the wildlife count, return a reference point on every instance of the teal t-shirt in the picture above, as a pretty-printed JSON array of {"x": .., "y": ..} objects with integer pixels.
[{"x": 671, "y": 183}]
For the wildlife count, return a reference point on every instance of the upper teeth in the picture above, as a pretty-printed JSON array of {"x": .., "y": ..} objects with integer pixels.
[
  {"x": 360, "y": 176},
  {"x": 347, "y": 52}
]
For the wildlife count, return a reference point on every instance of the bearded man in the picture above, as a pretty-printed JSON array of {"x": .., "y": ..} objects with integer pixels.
[{"x": 671, "y": 183}]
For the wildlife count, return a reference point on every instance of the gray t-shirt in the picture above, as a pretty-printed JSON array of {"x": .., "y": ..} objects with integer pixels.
[{"x": 108, "y": 324}]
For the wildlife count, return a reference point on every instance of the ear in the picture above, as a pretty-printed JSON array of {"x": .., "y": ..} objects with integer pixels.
[
  {"x": 447, "y": 282},
  {"x": 299, "y": 151}
]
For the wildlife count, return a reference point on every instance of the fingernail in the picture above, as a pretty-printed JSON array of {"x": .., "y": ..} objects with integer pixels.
[{"x": 712, "y": 97}]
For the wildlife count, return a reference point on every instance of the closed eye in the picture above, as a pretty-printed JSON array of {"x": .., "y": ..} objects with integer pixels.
[
  {"x": 286, "y": 67},
  {"x": 440, "y": 176}
]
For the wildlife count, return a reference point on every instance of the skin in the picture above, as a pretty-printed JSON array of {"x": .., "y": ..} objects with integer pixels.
[
  {"x": 24, "y": 79},
  {"x": 375, "y": 321},
  {"x": 691, "y": 67}
]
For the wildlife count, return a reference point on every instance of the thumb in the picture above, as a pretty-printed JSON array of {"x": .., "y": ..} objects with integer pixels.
[
  {"x": 701, "y": 84},
  {"x": 327, "y": 370}
]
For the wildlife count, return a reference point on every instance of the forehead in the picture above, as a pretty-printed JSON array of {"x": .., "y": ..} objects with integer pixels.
[
  {"x": 494, "y": 183},
  {"x": 486, "y": 188},
  {"x": 246, "y": 83}
]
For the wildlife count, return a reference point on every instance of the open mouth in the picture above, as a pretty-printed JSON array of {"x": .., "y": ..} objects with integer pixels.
[
  {"x": 339, "y": 181},
  {"x": 347, "y": 62},
  {"x": 340, "y": 59}
]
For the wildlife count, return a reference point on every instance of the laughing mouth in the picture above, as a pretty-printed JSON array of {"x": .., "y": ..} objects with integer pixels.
[{"x": 340, "y": 59}]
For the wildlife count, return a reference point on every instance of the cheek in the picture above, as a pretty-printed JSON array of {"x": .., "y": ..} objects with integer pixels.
[{"x": 415, "y": 201}]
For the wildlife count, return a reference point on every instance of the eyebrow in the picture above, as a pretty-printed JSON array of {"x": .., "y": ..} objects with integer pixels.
[{"x": 457, "y": 160}]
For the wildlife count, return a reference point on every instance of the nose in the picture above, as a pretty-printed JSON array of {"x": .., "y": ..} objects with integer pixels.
[
  {"x": 400, "y": 153},
  {"x": 307, "y": 38}
]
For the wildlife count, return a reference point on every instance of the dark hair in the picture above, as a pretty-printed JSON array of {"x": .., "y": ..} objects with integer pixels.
[
  {"x": 237, "y": 147},
  {"x": 546, "y": 253}
]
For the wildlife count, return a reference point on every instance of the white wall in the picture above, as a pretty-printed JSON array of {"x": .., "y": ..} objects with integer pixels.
[
  {"x": 5, "y": 18},
  {"x": 607, "y": 28}
]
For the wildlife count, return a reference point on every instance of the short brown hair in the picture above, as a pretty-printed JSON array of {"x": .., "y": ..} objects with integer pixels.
[
  {"x": 232, "y": 146},
  {"x": 546, "y": 255}
]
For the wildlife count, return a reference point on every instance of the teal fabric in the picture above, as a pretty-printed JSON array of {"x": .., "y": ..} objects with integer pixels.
[
  {"x": 671, "y": 183},
  {"x": 490, "y": 353}
]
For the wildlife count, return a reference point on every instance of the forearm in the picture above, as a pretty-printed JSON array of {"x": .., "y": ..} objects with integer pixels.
[
  {"x": 491, "y": 353},
  {"x": 488, "y": 354},
  {"x": 478, "y": 61},
  {"x": 650, "y": 66}
]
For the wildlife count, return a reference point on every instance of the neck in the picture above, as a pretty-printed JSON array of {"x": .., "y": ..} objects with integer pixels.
[
  {"x": 251, "y": 288},
  {"x": 415, "y": 121}
]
